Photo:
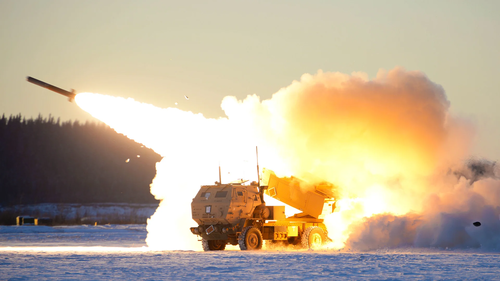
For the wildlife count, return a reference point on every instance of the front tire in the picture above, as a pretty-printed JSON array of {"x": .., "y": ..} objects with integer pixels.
[
  {"x": 250, "y": 239},
  {"x": 213, "y": 245},
  {"x": 313, "y": 238}
]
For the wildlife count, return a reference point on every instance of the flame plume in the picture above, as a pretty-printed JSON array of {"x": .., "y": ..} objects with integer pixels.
[{"x": 382, "y": 142}]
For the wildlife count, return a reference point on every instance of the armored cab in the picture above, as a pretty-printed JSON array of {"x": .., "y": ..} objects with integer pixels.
[
  {"x": 224, "y": 204},
  {"x": 221, "y": 210}
]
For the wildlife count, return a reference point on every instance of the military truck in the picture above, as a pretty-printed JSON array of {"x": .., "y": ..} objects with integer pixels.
[{"x": 237, "y": 214}]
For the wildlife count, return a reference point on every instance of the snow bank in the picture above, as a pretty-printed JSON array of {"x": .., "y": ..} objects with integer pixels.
[{"x": 118, "y": 213}]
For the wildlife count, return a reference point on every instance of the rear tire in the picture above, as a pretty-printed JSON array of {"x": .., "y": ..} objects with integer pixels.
[
  {"x": 313, "y": 238},
  {"x": 250, "y": 239},
  {"x": 213, "y": 245}
]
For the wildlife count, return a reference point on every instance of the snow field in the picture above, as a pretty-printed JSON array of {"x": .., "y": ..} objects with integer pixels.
[
  {"x": 119, "y": 252},
  {"x": 236, "y": 265}
]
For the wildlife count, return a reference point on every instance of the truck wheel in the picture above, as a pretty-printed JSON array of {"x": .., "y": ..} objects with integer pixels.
[
  {"x": 250, "y": 239},
  {"x": 313, "y": 238},
  {"x": 213, "y": 245}
]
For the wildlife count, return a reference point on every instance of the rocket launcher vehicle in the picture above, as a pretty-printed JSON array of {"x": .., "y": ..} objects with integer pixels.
[
  {"x": 70, "y": 95},
  {"x": 236, "y": 214}
]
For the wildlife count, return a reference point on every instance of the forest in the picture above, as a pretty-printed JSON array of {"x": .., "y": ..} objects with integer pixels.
[{"x": 44, "y": 160}]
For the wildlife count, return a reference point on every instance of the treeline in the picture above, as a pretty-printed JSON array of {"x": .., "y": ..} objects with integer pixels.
[{"x": 44, "y": 160}]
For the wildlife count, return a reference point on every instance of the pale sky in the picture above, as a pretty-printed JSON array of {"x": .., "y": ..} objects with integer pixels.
[{"x": 158, "y": 51}]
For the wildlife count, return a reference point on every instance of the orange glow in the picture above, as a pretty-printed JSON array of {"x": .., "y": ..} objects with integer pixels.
[{"x": 377, "y": 140}]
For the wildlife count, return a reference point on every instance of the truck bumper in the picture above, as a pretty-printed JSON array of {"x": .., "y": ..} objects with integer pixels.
[{"x": 211, "y": 232}]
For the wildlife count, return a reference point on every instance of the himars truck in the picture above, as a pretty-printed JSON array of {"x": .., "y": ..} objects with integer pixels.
[{"x": 236, "y": 213}]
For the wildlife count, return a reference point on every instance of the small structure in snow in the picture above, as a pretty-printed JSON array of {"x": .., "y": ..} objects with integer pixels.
[
  {"x": 43, "y": 221},
  {"x": 25, "y": 220}
]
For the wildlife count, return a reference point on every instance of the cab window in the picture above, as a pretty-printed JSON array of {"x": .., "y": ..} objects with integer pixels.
[
  {"x": 239, "y": 196},
  {"x": 221, "y": 194}
]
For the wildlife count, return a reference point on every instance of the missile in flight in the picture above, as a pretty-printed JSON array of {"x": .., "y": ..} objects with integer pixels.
[{"x": 70, "y": 95}]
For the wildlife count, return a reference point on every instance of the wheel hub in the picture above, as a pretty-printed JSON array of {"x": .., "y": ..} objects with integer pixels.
[
  {"x": 316, "y": 240},
  {"x": 253, "y": 241}
]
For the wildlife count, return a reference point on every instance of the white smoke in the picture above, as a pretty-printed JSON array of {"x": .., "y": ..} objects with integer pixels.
[
  {"x": 386, "y": 144},
  {"x": 461, "y": 198}
]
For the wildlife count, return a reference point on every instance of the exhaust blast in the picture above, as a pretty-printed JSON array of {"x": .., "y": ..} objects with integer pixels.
[
  {"x": 462, "y": 211},
  {"x": 386, "y": 143},
  {"x": 192, "y": 148}
]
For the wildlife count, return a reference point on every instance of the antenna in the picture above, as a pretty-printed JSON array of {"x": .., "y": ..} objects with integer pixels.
[
  {"x": 220, "y": 180},
  {"x": 258, "y": 171},
  {"x": 261, "y": 188}
]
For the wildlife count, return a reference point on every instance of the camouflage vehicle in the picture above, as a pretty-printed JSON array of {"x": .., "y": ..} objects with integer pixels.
[{"x": 236, "y": 213}]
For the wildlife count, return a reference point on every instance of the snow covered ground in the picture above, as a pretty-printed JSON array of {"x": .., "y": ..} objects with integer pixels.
[
  {"x": 119, "y": 252},
  {"x": 84, "y": 213}
]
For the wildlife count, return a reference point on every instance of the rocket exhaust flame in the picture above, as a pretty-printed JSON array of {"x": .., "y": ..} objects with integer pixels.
[{"x": 387, "y": 143}]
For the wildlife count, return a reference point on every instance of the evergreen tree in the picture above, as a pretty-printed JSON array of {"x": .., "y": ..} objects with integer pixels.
[{"x": 46, "y": 161}]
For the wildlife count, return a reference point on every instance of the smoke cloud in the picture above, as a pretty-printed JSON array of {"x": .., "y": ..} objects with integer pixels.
[
  {"x": 386, "y": 143},
  {"x": 467, "y": 196},
  {"x": 389, "y": 146}
]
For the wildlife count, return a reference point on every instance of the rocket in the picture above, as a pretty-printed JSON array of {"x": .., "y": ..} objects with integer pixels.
[{"x": 70, "y": 95}]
